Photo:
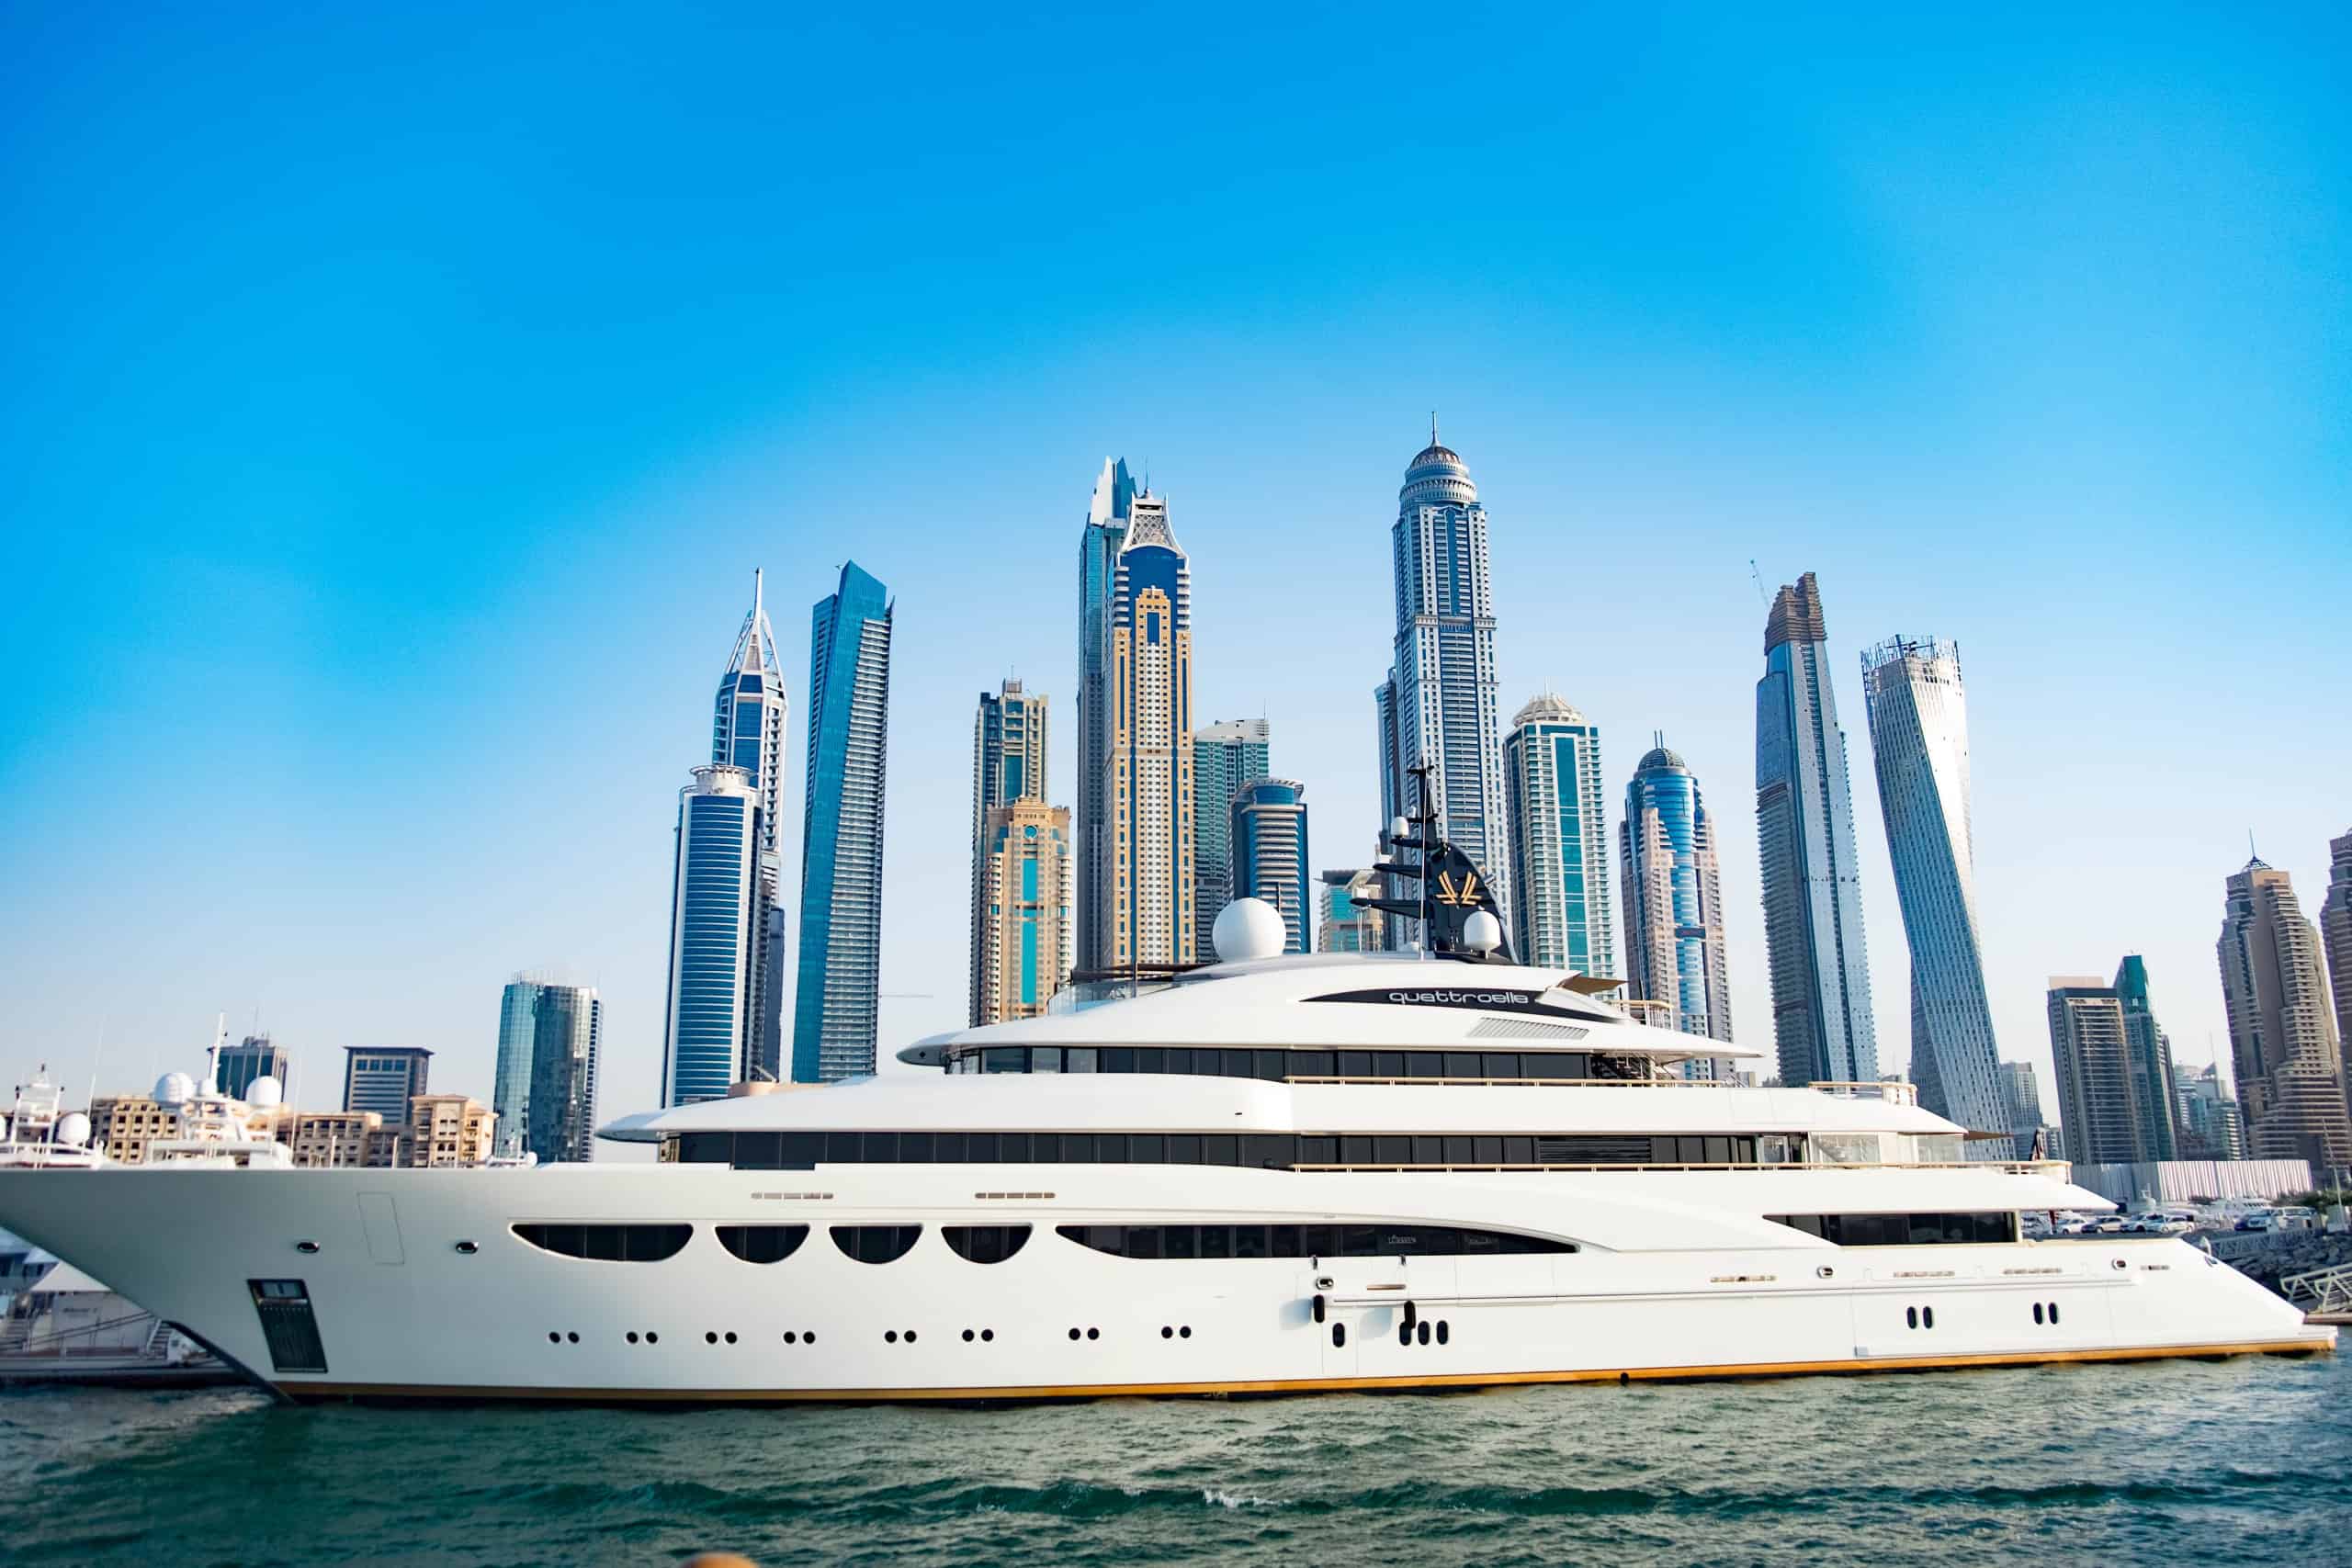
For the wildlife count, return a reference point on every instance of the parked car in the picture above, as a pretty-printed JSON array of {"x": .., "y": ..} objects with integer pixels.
[{"x": 2258, "y": 1220}]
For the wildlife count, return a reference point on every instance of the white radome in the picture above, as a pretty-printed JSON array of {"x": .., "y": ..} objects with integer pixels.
[
  {"x": 74, "y": 1130},
  {"x": 265, "y": 1093},
  {"x": 175, "y": 1088},
  {"x": 1249, "y": 928},
  {"x": 1482, "y": 932}
]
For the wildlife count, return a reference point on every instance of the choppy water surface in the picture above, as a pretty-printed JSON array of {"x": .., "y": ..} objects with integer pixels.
[{"x": 2177, "y": 1461}]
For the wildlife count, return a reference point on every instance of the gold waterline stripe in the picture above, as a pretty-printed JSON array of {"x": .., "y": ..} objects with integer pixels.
[{"x": 1295, "y": 1386}]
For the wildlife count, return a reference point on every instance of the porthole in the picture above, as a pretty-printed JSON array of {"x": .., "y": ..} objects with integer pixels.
[
  {"x": 1094, "y": 1334},
  {"x": 1424, "y": 1336},
  {"x": 573, "y": 1337},
  {"x": 1404, "y": 1334},
  {"x": 1443, "y": 1333},
  {"x": 1911, "y": 1316},
  {"x": 2053, "y": 1312},
  {"x": 1073, "y": 1334},
  {"x": 652, "y": 1337},
  {"x": 987, "y": 1335},
  {"x": 632, "y": 1335},
  {"x": 306, "y": 1247},
  {"x": 790, "y": 1338},
  {"x": 468, "y": 1247},
  {"x": 1339, "y": 1335},
  {"x": 810, "y": 1338},
  {"x": 911, "y": 1335},
  {"x": 2037, "y": 1312},
  {"x": 968, "y": 1337},
  {"x": 553, "y": 1337},
  {"x": 1185, "y": 1332},
  {"x": 709, "y": 1338},
  {"x": 1926, "y": 1317},
  {"x": 1824, "y": 1272},
  {"x": 889, "y": 1336},
  {"x": 1167, "y": 1331},
  {"x": 731, "y": 1336}
]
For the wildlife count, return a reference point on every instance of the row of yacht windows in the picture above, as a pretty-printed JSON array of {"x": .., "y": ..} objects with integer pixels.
[
  {"x": 1275, "y": 1065},
  {"x": 1257, "y": 1151},
  {"x": 1306, "y": 1241},
  {"x": 1903, "y": 1230}
]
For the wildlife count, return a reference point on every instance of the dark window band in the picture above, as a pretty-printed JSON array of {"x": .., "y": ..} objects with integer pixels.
[
  {"x": 1275, "y": 1065},
  {"x": 875, "y": 1243},
  {"x": 1256, "y": 1150},
  {"x": 1904, "y": 1230},
  {"x": 763, "y": 1243},
  {"x": 608, "y": 1244},
  {"x": 1304, "y": 1241}
]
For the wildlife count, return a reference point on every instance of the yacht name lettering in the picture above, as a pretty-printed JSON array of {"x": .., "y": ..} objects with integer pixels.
[{"x": 1438, "y": 998}]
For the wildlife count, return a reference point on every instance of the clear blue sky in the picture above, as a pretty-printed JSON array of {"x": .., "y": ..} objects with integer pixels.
[{"x": 395, "y": 410}]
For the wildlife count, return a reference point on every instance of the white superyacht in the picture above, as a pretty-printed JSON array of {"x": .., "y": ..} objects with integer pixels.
[{"x": 1276, "y": 1174}]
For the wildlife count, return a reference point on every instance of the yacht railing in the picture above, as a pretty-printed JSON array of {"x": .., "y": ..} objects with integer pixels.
[
  {"x": 1520, "y": 1083},
  {"x": 1892, "y": 1094},
  {"x": 2062, "y": 1169}
]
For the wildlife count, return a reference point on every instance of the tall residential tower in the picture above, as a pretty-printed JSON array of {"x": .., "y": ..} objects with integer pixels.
[
  {"x": 567, "y": 1037},
  {"x": 2335, "y": 932},
  {"x": 1559, "y": 839},
  {"x": 1804, "y": 832},
  {"x": 1674, "y": 918},
  {"x": 1148, "y": 774},
  {"x": 1269, "y": 834},
  {"x": 835, "y": 1009},
  {"x": 2283, "y": 1045},
  {"x": 747, "y": 732},
  {"x": 1098, "y": 571},
  {"x": 1919, "y": 722},
  {"x": 1008, "y": 765},
  {"x": 1225, "y": 757},
  {"x": 1439, "y": 703},
  {"x": 1024, "y": 947},
  {"x": 717, "y": 928}
]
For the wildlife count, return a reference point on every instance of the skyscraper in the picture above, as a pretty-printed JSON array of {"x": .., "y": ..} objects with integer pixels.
[
  {"x": 1025, "y": 938},
  {"x": 1674, "y": 921},
  {"x": 2021, "y": 1098},
  {"x": 2209, "y": 1124},
  {"x": 1347, "y": 927},
  {"x": 1439, "y": 703},
  {"x": 384, "y": 1078},
  {"x": 1270, "y": 854},
  {"x": 2335, "y": 928},
  {"x": 2149, "y": 1055},
  {"x": 1225, "y": 757},
  {"x": 2283, "y": 1046},
  {"x": 1804, "y": 830},
  {"x": 711, "y": 1021},
  {"x": 1149, "y": 773},
  {"x": 1008, "y": 764},
  {"x": 747, "y": 732},
  {"x": 510, "y": 1088},
  {"x": 1098, "y": 571},
  {"x": 567, "y": 1036},
  {"x": 1919, "y": 722},
  {"x": 2096, "y": 1100},
  {"x": 254, "y": 1058},
  {"x": 1559, "y": 839},
  {"x": 837, "y": 1005}
]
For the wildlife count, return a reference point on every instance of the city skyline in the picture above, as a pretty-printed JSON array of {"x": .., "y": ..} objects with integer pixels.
[{"x": 1980, "y": 357}]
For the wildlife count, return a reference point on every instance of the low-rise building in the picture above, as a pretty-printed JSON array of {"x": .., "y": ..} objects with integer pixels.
[
  {"x": 446, "y": 1130},
  {"x": 124, "y": 1125}
]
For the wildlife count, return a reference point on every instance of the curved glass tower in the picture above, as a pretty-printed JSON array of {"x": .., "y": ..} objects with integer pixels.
[
  {"x": 1269, "y": 856},
  {"x": 747, "y": 732},
  {"x": 1822, "y": 1024},
  {"x": 1674, "y": 921},
  {"x": 714, "y": 936},
  {"x": 1918, "y": 721},
  {"x": 1437, "y": 704},
  {"x": 835, "y": 1007}
]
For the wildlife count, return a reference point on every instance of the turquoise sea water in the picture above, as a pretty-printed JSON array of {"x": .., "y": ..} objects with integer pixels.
[{"x": 2240, "y": 1462}]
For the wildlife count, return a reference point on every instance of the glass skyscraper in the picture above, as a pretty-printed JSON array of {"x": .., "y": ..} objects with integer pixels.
[
  {"x": 2094, "y": 1091},
  {"x": 1269, "y": 838},
  {"x": 1822, "y": 1025},
  {"x": 837, "y": 1004},
  {"x": 716, "y": 931},
  {"x": 1437, "y": 704},
  {"x": 2149, "y": 1050},
  {"x": 2283, "y": 1046},
  {"x": 1008, "y": 765},
  {"x": 1225, "y": 757},
  {"x": 1097, "y": 569},
  {"x": 255, "y": 1057},
  {"x": 567, "y": 1036},
  {"x": 1675, "y": 971},
  {"x": 1918, "y": 721},
  {"x": 1559, "y": 839},
  {"x": 1150, "y": 781},
  {"x": 747, "y": 732},
  {"x": 510, "y": 1088}
]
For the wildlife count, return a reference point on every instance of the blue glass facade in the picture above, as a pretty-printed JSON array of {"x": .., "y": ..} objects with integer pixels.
[
  {"x": 715, "y": 936},
  {"x": 1676, "y": 971},
  {"x": 1559, "y": 839},
  {"x": 1225, "y": 757},
  {"x": 1098, "y": 565},
  {"x": 1270, "y": 854},
  {"x": 1009, "y": 752},
  {"x": 1822, "y": 1027},
  {"x": 836, "y": 1005}
]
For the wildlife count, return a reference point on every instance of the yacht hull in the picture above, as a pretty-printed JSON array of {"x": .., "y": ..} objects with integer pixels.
[{"x": 417, "y": 1285}]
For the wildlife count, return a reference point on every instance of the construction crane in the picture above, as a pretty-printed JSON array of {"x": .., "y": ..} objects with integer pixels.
[{"x": 1757, "y": 578}]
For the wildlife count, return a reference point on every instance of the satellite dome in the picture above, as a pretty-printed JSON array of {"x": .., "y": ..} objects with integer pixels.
[
  {"x": 175, "y": 1088},
  {"x": 1659, "y": 757},
  {"x": 264, "y": 1092},
  {"x": 1482, "y": 932},
  {"x": 73, "y": 1130},
  {"x": 1249, "y": 928}
]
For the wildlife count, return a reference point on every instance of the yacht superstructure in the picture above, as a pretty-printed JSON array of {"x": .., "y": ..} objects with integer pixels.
[{"x": 1312, "y": 1172}]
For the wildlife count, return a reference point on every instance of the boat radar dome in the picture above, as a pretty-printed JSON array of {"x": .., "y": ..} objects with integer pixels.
[
  {"x": 265, "y": 1093},
  {"x": 1482, "y": 932},
  {"x": 73, "y": 1130},
  {"x": 1249, "y": 928},
  {"x": 175, "y": 1088}
]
